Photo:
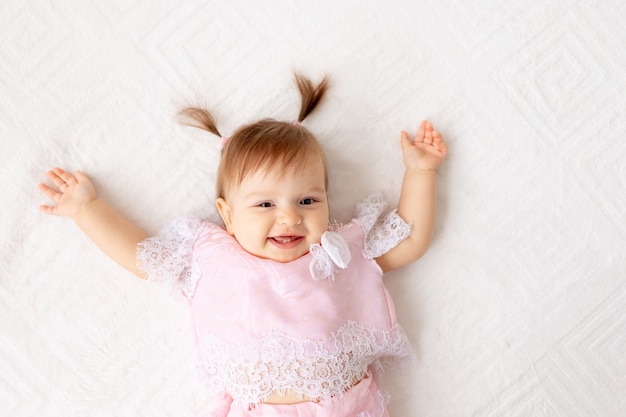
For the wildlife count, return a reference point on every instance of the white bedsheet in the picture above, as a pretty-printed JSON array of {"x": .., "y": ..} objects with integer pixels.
[{"x": 517, "y": 309}]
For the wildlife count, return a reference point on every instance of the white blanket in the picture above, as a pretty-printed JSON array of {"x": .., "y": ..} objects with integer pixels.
[{"x": 517, "y": 309}]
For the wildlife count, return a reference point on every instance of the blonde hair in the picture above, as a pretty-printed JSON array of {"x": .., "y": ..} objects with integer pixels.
[{"x": 267, "y": 144}]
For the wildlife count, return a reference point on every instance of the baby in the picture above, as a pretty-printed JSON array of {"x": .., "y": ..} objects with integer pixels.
[{"x": 290, "y": 315}]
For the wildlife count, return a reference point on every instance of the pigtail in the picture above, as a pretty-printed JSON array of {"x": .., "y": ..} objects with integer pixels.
[
  {"x": 200, "y": 118},
  {"x": 311, "y": 95}
]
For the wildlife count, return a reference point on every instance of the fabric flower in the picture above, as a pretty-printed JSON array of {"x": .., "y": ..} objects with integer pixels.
[{"x": 333, "y": 251}]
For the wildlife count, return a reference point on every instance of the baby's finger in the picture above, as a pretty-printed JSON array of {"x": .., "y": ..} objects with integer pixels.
[
  {"x": 428, "y": 133},
  {"x": 405, "y": 142},
  {"x": 52, "y": 194},
  {"x": 56, "y": 179},
  {"x": 67, "y": 178},
  {"x": 437, "y": 139},
  {"x": 441, "y": 148},
  {"x": 47, "y": 209},
  {"x": 81, "y": 177}
]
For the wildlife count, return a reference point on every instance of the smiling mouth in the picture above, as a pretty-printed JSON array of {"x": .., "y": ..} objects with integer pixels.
[{"x": 286, "y": 242}]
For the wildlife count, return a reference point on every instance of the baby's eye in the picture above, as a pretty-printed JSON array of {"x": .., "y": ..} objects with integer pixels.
[
  {"x": 307, "y": 201},
  {"x": 265, "y": 204}
]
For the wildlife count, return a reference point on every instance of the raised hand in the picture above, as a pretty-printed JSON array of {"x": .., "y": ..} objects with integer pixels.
[
  {"x": 427, "y": 149},
  {"x": 72, "y": 192}
]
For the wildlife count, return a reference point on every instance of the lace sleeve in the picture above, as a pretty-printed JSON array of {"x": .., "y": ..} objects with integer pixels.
[
  {"x": 386, "y": 234},
  {"x": 168, "y": 258},
  {"x": 369, "y": 209},
  {"x": 381, "y": 234}
]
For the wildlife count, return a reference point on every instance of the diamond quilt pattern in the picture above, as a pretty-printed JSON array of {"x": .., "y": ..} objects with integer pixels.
[{"x": 517, "y": 309}]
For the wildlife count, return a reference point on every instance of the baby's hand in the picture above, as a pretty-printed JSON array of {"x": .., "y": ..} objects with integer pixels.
[
  {"x": 73, "y": 192},
  {"x": 426, "y": 151}
]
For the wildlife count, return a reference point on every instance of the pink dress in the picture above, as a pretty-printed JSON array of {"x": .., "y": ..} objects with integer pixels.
[{"x": 315, "y": 326}]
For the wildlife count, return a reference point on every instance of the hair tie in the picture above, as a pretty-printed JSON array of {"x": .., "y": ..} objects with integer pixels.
[
  {"x": 297, "y": 123},
  {"x": 223, "y": 140}
]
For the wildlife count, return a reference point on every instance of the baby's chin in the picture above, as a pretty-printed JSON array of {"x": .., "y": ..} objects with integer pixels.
[{"x": 286, "y": 258}]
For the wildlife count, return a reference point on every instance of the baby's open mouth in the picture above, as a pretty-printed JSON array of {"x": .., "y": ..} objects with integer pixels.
[{"x": 285, "y": 241}]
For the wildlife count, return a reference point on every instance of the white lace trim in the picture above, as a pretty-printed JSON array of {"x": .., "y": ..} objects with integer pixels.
[
  {"x": 381, "y": 234},
  {"x": 167, "y": 257},
  {"x": 369, "y": 210},
  {"x": 313, "y": 369},
  {"x": 386, "y": 234}
]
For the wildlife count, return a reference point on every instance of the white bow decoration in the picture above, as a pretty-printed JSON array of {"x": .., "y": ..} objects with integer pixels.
[{"x": 333, "y": 251}]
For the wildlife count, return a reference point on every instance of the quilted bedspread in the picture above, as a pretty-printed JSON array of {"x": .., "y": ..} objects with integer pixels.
[{"x": 517, "y": 309}]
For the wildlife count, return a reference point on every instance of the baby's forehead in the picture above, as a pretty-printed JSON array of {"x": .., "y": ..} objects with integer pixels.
[
  {"x": 297, "y": 165},
  {"x": 310, "y": 168},
  {"x": 310, "y": 171}
]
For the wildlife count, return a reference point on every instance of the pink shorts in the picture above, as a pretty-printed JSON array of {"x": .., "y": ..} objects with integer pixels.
[{"x": 362, "y": 400}]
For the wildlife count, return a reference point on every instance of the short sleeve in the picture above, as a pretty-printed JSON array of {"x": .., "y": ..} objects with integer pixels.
[
  {"x": 382, "y": 233},
  {"x": 167, "y": 258}
]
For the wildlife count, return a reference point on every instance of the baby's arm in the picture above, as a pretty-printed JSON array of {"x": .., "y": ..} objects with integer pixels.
[
  {"x": 75, "y": 196},
  {"x": 422, "y": 156}
]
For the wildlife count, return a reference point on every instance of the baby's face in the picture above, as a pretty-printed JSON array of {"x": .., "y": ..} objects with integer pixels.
[{"x": 278, "y": 215}]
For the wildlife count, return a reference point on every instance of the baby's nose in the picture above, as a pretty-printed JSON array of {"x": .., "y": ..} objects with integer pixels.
[{"x": 289, "y": 217}]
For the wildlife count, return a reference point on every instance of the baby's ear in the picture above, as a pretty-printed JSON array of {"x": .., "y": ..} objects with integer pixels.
[{"x": 226, "y": 213}]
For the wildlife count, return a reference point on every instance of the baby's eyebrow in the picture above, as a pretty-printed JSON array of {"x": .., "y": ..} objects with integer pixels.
[
  {"x": 317, "y": 190},
  {"x": 268, "y": 194},
  {"x": 257, "y": 194}
]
